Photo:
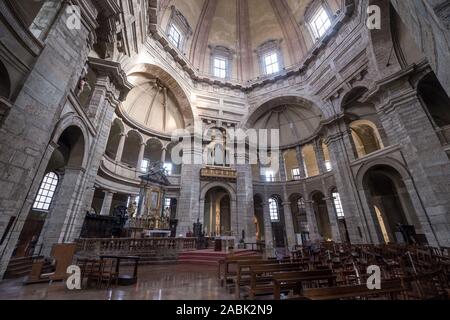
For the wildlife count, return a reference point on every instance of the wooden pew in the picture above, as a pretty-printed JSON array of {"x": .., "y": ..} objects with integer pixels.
[
  {"x": 228, "y": 262},
  {"x": 243, "y": 274},
  {"x": 295, "y": 280},
  {"x": 391, "y": 289},
  {"x": 63, "y": 254},
  {"x": 261, "y": 277}
]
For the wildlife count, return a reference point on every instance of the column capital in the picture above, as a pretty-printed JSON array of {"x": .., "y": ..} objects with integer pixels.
[{"x": 114, "y": 72}]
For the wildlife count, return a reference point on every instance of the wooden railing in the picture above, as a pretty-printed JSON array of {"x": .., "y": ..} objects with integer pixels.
[{"x": 133, "y": 246}]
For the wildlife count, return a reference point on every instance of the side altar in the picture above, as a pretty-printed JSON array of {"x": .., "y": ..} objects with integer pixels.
[{"x": 149, "y": 217}]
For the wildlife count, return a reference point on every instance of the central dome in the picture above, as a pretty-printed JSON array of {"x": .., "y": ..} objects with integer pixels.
[{"x": 242, "y": 31}]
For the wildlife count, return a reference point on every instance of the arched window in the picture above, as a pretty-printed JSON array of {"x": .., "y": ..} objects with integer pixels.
[
  {"x": 273, "y": 210},
  {"x": 46, "y": 192}
]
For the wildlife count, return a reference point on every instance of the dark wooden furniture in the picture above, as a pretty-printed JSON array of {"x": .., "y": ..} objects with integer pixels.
[
  {"x": 295, "y": 280},
  {"x": 124, "y": 280},
  {"x": 390, "y": 290}
]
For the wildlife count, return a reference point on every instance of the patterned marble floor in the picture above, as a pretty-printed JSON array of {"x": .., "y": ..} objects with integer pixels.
[{"x": 173, "y": 282}]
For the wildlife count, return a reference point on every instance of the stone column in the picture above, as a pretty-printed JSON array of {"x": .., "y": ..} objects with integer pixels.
[
  {"x": 289, "y": 225},
  {"x": 282, "y": 166},
  {"x": 333, "y": 220},
  {"x": 120, "y": 147},
  {"x": 301, "y": 164},
  {"x": 140, "y": 157},
  {"x": 163, "y": 155},
  {"x": 312, "y": 222},
  {"x": 407, "y": 125},
  {"x": 107, "y": 201},
  {"x": 342, "y": 153},
  {"x": 268, "y": 235},
  {"x": 319, "y": 156}
]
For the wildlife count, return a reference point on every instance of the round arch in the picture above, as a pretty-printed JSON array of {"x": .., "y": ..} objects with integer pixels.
[
  {"x": 395, "y": 164},
  {"x": 216, "y": 184},
  {"x": 71, "y": 120}
]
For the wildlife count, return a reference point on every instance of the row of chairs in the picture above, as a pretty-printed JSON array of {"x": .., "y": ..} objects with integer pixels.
[
  {"x": 98, "y": 273},
  {"x": 408, "y": 272}
]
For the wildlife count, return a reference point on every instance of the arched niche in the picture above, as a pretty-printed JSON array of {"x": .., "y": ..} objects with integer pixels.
[
  {"x": 291, "y": 165},
  {"x": 310, "y": 161},
  {"x": 153, "y": 150},
  {"x": 275, "y": 202},
  {"x": 258, "y": 218},
  {"x": 117, "y": 129},
  {"x": 389, "y": 201},
  {"x": 217, "y": 212},
  {"x": 131, "y": 148},
  {"x": 435, "y": 100},
  {"x": 366, "y": 137},
  {"x": 176, "y": 167},
  {"x": 298, "y": 209},
  {"x": 322, "y": 215},
  {"x": 364, "y": 123}
]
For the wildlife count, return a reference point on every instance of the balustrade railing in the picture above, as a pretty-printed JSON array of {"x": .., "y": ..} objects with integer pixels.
[{"x": 133, "y": 246}]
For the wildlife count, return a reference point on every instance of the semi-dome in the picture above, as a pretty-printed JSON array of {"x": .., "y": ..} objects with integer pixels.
[
  {"x": 243, "y": 31},
  {"x": 153, "y": 105},
  {"x": 294, "y": 122}
]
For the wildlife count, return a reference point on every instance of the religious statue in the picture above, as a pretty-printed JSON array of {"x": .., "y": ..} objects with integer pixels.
[
  {"x": 255, "y": 221},
  {"x": 132, "y": 209}
]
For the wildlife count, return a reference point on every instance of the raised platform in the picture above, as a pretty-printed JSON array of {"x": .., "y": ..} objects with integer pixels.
[{"x": 209, "y": 256}]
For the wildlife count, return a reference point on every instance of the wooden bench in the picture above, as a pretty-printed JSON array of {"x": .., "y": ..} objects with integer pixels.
[
  {"x": 243, "y": 274},
  {"x": 390, "y": 288},
  {"x": 229, "y": 261},
  {"x": 295, "y": 280},
  {"x": 261, "y": 277}
]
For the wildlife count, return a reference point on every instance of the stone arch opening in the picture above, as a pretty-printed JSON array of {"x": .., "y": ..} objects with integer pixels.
[
  {"x": 217, "y": 212},
  {"x": 131, "y": 149},
  {"x": 322, "y": 215},
  {"x": 275, "y": 202},
  {"x": 390, "y": 203},
  {"x": 175, "y": 167},
  {"x": 65, "y": 162},
  {"x": 117, "y": 130},
  {"x": 299, "y": 217},
  {"x": 363, "y": 121},
  {"x": 366, "y": 137},
  {"x": 36, "y": 16},
  {"x": 258, "y": 218},
  {"x": 153, "y": 153},
  {"x": 5, "y": 83},
  {"x": 435, "y": 100}
]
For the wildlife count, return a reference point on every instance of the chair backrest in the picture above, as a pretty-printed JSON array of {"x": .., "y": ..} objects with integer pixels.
[{"x": 63, "y": 254}]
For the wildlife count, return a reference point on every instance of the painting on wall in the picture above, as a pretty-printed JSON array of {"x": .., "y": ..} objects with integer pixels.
[{"x": 154, "y": 204}]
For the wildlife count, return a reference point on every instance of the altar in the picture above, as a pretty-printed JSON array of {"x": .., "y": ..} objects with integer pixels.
[{"x": 151, "y": 219}]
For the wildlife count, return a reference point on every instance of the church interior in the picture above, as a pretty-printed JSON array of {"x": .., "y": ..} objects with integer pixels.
[{"x": 225, "y": 149}]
